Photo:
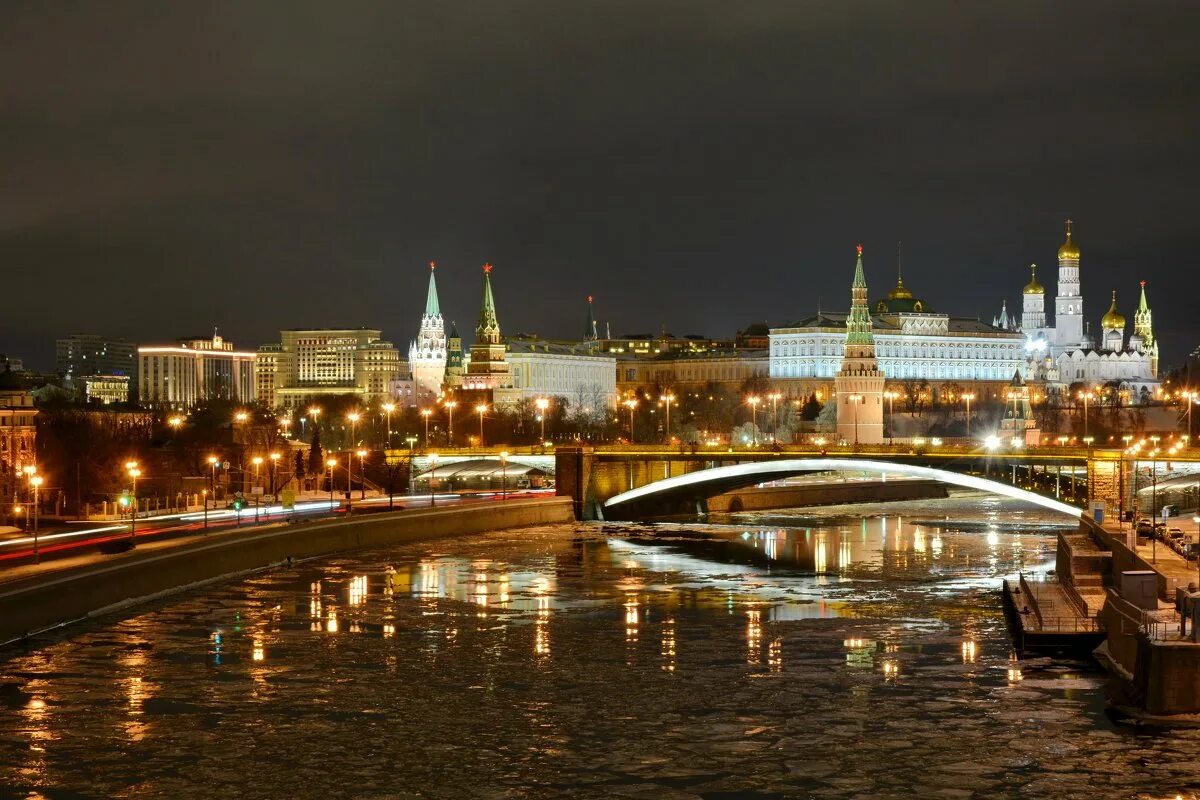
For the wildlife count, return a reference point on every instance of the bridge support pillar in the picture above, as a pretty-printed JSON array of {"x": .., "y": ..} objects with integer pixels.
[
  {"x": 573, "y": 478},
  {"x": 1104, "y": 484}
]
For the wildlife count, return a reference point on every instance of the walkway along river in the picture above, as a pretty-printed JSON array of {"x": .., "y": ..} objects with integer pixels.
[{"x": 780, "y": 654}]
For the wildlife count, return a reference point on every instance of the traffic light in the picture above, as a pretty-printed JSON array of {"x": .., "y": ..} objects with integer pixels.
[
  {"x": 124, "y": 499},
  {"x": 239, "y": 503}
]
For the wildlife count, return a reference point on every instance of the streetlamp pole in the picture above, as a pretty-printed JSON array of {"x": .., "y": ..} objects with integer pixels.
[
  {"x": 132, "y": 468},
  {"x": 504, "y": 474},
  {"x": 969, "y": 396},
  {"x": 450, "y": 406},
  {"x": 353, "y": 418},
  {"x": 36, "y": 481},
  {"x": 388, "y": 408},
  {"x": 433, "y": 461},
  {"x": 631, "y": 404},
  {"x": 542, "y": 404},
  {"x": 257, "y": 462},
  {"x": 362, "y": 474},
  {"x": 753, "y": 402},
  {"x": 481, "y": 409},
  {"x": 426, "y": 412},
  {"x": 331, "y": 463}
]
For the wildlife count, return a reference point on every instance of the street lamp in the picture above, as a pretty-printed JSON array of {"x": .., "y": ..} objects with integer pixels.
[
  {"x": 1085, "y": 397},
  {"x": 212, "y": 462},
  {"x": 433, "y": 463},
  {"x": 542, "y": 404},
  {"x": 753, "y": 402},
  {"x": 242, "y": 416},
  {"x": 331, "y": 463},
  {"x": 666, "y": 398},
  {"x": 134, "y": 472},
  {"x": 362, "y": 473},
  {"x": 388, "y": 408},
  {"x": 481, "y": 409},
  {"x": 855, "y": 399},
  {"x": 631, "y": 404},
  {"x": 450, "y": 406},
  {"x": 175, "y": 422},
  {"x": 274, "y": 465},
  {"x": 36, "y": 482},
  {"x": 426, "y": 413},
  {"x": 891, "y": 395},
  {"x": 353, "y": 418},
  {"x": 204, "y": 495},
  {"x": 504, "y": 474},
  {"x": 774, "y": 397},
  {"x": 968, "y": 397},
  {"x": 315, "y": 413},
  {"x": 257, "y": 462}
]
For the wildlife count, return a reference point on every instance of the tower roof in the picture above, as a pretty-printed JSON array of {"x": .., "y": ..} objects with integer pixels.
[
  {"x": 1069, "y": 250},
  {"x": 1033, "y": 287},
  {"x": 487, "y": 313},
  {"x": 860, "y": 280},
  {"x": 1142, "y": 305},
  {"x": 1112, "y": 319},
  {"x": 431, "y": 299},
  {"x": 589, "y": 332}
]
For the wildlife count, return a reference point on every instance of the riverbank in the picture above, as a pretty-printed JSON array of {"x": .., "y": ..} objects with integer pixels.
[{"x": 59, "y": 594}]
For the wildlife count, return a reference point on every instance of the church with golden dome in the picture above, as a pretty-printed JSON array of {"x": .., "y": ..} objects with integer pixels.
[{"x": 1067, "y": 352}]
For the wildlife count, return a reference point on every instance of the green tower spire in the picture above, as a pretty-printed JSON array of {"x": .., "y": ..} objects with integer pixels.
[
  {"x": 589, "y": 332},
  {"x": 431, "y": 299},
  {"x": 858, "y": 323},
  {"x": 488, "y": 330}
]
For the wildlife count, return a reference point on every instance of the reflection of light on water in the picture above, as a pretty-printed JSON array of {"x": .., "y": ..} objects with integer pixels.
[
  {"x": 891, "y": 669},
  {"x": 540, "y": 588},
  {"x": 667, "y": 646},
  {"x": 919, "y": 539},
  {"x": 859, "y": 653},
  {"x": 1014, "y": 675},
  {"x": 503, "y": 597},
  {"x": 389, "y": 630},
  {"x": 217, "y": 646},
  {"x": 753, "y": 636},
  {"x": 631, "y": 618},
  {"x": 844, "y": 555},
  {"x": 775, "y": 655},
  {"x": 937, "y": 543},
  {"x": 257, "y": 651},
  {"x": 331, "y": 621},
  {"x": 819, "y": 553},
  {"x": 969, "y": 651},
  {"x": 993, "y": 539},
  {"x": 358, "y": 590}
]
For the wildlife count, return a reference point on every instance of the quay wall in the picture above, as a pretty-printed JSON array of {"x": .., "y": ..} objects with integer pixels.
[{"x": 54, "y": 598}]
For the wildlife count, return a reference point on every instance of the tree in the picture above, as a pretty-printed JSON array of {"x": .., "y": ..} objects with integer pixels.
[
  {"x": 811, "y": 408},
  {"x": 316, "y": 458},
  {"x": 299, "y": 468}
]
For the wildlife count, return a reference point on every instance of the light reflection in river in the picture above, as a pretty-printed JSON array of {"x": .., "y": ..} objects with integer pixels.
[{"x": 837, "y": 657}]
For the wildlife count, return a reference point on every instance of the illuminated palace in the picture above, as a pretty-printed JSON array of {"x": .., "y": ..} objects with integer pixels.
[
  {"x": 912, "y": 343},
  {"x": 1067, "y": 352}
]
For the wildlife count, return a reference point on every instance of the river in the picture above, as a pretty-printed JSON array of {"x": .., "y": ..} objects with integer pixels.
[{"x": 838, "y": 652}]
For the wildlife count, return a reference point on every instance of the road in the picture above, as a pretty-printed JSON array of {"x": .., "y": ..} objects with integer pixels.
[{"x": 76, "y": 539}]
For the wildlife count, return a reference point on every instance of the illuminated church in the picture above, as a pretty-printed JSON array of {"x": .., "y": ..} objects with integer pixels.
[{"x": 1067, "y": 352}]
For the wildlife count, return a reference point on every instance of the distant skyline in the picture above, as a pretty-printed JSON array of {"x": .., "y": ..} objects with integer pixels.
[{"x": 700, "y": 166}]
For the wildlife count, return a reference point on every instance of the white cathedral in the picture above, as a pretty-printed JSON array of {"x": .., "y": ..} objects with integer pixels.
[
  {"x": 427, "y": 353},
  {"x": 1067, "y": 352}
]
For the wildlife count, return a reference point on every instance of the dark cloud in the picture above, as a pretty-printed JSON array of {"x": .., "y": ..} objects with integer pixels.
[{"x": 168, "y": 167}]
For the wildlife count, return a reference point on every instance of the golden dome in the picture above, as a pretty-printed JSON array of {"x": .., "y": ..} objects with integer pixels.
[
  {"x": 1069, "y": 249},
  {"x": 1033, "y": 287},
  {"x": 1112, "y": 320},
  {"x": 900, "y": 292}
]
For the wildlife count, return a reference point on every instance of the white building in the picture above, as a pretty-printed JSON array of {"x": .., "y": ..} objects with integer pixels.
[
  {"x": 194, "y": 371},
  {"x": 427, "y": 353},
  {"x": 308, "y": 364},
  {"x": 1066, "y": 352},
  {"x": 585, "y": 377}
]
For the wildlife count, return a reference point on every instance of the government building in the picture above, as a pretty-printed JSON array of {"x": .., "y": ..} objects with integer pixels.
[
  {"x": 912, "y": 342},
  {"x": 193, "y": 371},
  {"x": 307, "y": 365}
]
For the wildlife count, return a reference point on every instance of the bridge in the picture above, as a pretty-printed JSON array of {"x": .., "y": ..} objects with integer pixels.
[{"x": 630, "y": 481}]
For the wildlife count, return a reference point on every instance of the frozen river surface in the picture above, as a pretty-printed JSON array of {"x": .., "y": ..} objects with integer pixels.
[{"x": 771, "y": 655}]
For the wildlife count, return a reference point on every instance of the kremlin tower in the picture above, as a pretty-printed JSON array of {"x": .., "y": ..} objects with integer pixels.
[
  {"x": 1068, "y": 305},
  {"x": 488, "y": 368},
  {"x": 427, "y": 353},
  {"x": 859, "y": 382}
]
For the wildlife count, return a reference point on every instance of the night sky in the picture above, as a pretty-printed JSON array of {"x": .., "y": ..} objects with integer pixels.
[{"x": 170, "y": 167}]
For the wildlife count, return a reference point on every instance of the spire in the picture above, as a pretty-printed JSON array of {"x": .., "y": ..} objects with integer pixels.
[
  {"x": 488, "y": 329},
  {"x": 1143, "y": 321},
  {"x": 431, "y": 299},
  {"x": 590, "y": 333},
  {"x": 1069, "y": 251},
  {"x": 858, "y": 323},
  {"x": 1142, "y": 306}
]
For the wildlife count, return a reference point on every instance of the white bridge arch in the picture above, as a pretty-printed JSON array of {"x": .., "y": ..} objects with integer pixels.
[{"x": 719, "y": 479}]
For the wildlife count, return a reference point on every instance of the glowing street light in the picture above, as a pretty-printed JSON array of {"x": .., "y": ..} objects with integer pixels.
[
  {"x": 135, "y": 472},
  {"x": 992, "y": 442},
  {"x": 753, "y": 402},
  {"x": 36, "y": 483},
  {"x": 242, "y": 416},
  {"x": 353, "y": 418},
  {"x": 362, "y": 472},
  {"x": 450, "y": 406},
  {"x": 542, "y": 404},
  {"x": 855, "y": 400},
  {"x": 631, "y": 404},
  {"x": 388, "y": 408},
  {"x": 967, "y": 398},
  {"x": 481, "y": 409},
  {"x": 1085, "y": 397},
  {"x": 667, "y": 398},
  {"x": 775, "y": 397},
  {"x": 426, "y": 413},
  {"x": 330, "y": 463}
]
